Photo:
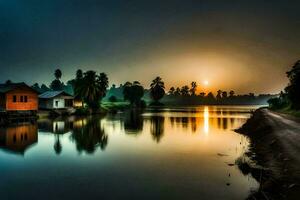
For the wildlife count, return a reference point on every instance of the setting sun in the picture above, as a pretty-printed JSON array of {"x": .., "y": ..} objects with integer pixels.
[{"x": 206, "y": 82}]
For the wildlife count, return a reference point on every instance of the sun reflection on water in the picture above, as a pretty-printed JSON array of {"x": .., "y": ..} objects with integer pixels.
[{"x": 206, "y": 119}]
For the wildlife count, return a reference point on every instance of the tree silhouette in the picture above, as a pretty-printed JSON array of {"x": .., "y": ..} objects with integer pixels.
[
  {"x": 219, "y": 94},
  {"x": 202, "y": 94},
  {"x": 79, "y": 74},
  {"x": 58, "y": 74},
  {"x": 224, "y": 94},
  {"x": 231, "y": 93},
  {"x": 185, "y": 90},
  {"x": 8, "y": 82},
  {"x": 210, "y": 97},
  {"x": 57, "y": 145},
  {"x": 103, "y": 83},
  {"x": 157, "y": 127},
  {"x": 91, "y": 89},
  {"x": 171, "y": 91},
  {"x": 157, "y": 89},
  {"x": 133, "y": 92},
  {"x": 293, "y": 89},
  {"x": 177, "y": 92},
  {"x": 193, "y": 88},
  {"x": 56, "y": 84}
]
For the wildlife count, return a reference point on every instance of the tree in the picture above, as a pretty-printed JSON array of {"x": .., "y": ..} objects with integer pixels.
[
  {"x": 90, "y": 90},
  {"x": 185, "y": 90},
  {"x": 210, "y": 97},
  {"x": 177, "y": 92},
  {"x": 293, "y": 88},
  {"x": 193, "y": 88},
  {"x": 224, "y": 95},
  {"x": 231, "y": 93},
  {"x": 58, "y": 74},
  {"x": 8, "y": 82},
  {"x": 36, "y": 87},
  {"x": 219, "y": 94},
  {"x": 133, "y": 92},
  {"x": 103, "y": 83},
  {"x": 79, "y": 74},
  {"x": 171, "y": 91},
  {"x": 202, "y": 94},
  {"x": 157, "y": 89},
  {"x": 112, "y": 98},
  {"x": 44, "y": 88},
  {"x": 56, "y": 84}
]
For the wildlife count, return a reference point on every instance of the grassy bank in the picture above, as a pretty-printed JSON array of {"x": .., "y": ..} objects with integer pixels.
[
  {"x": 110, "y": 106},
  {"x": 287, "y": 110}
]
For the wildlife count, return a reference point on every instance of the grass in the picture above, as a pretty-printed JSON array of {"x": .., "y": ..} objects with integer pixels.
[
  {"x": 119, "y": 105},
  {"x": 288, "y": 110}
]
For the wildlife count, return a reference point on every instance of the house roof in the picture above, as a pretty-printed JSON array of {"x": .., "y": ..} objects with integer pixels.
[
  {"x": 4, "y": 88},
  {"x": 52, "y": 94}
]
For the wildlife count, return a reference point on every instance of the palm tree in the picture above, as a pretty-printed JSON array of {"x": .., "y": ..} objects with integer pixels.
[
  {"x": 79, "y": 74},
  {"x": 157, "y": 89},
  {"x": 193, "y": 88},
  {"x": 56, "y": 84},
  {"x": 103, "y": 83},
  {"x": 90, "y": 89},
  {"x": 57, "y": 74}
]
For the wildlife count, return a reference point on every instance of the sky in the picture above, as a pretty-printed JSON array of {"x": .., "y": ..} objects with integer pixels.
[{"x": 245, "y": 46}]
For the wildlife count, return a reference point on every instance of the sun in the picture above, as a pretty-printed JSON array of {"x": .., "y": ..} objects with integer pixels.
[{"x": 206, "y": 82}]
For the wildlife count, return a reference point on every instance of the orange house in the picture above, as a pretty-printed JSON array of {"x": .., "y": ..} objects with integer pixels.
[{"x": 18, "y": 97}]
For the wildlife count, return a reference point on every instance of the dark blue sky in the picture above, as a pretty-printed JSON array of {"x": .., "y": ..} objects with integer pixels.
[{"x": 240, "y": 45}]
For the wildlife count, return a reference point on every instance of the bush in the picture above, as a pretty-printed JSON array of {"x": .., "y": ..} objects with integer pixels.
[
  {"x": 112, "y": 98},
  {"x": 277, "y": 103}
]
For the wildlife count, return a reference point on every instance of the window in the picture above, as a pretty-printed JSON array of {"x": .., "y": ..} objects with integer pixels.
[
  {"x": 14, "y": 98},
  {"x": 21, "y": 98},
  {"x": 25, "y": 99},
  {"x": 56, "y": 103}
]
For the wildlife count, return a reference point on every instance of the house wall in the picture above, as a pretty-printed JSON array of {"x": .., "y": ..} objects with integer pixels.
[
  {"x": 31, "y": 104},
  {"x": 58, "y": 103},
  {"x": 46, "y": 103}
]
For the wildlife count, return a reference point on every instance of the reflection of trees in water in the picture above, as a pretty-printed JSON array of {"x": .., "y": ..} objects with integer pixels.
[
  {"x": 90, "y": 136},
  {"x": 133, "y": 122},
  {"x": 157, "y": 127},
  {"x": 184, "y": 122},
  {"x": 193, "y": 124},
  {"x": 57, "y": 145},
  {"x": 172, "y": 121}
]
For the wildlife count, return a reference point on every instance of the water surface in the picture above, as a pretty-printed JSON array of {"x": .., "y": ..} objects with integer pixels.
[{"x": 170, "y": 153}]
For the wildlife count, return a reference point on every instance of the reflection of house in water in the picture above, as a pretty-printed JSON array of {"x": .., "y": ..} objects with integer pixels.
[
  {"x": 57, "y": 126},
  {"x": 18, "y": 138}
]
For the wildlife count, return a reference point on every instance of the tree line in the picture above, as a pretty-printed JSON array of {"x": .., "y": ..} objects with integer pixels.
[
  {"x": 91, "y": 88},
  {"x": 290, "y": 97}
]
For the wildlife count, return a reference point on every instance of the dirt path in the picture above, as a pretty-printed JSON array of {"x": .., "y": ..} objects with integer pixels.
[
  {"x": 287, "y": 132},
  {"x": 275, "y": 142}
]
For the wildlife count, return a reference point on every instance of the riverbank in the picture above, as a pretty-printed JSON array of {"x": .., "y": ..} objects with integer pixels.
[{"x": 275, "y": 145}]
